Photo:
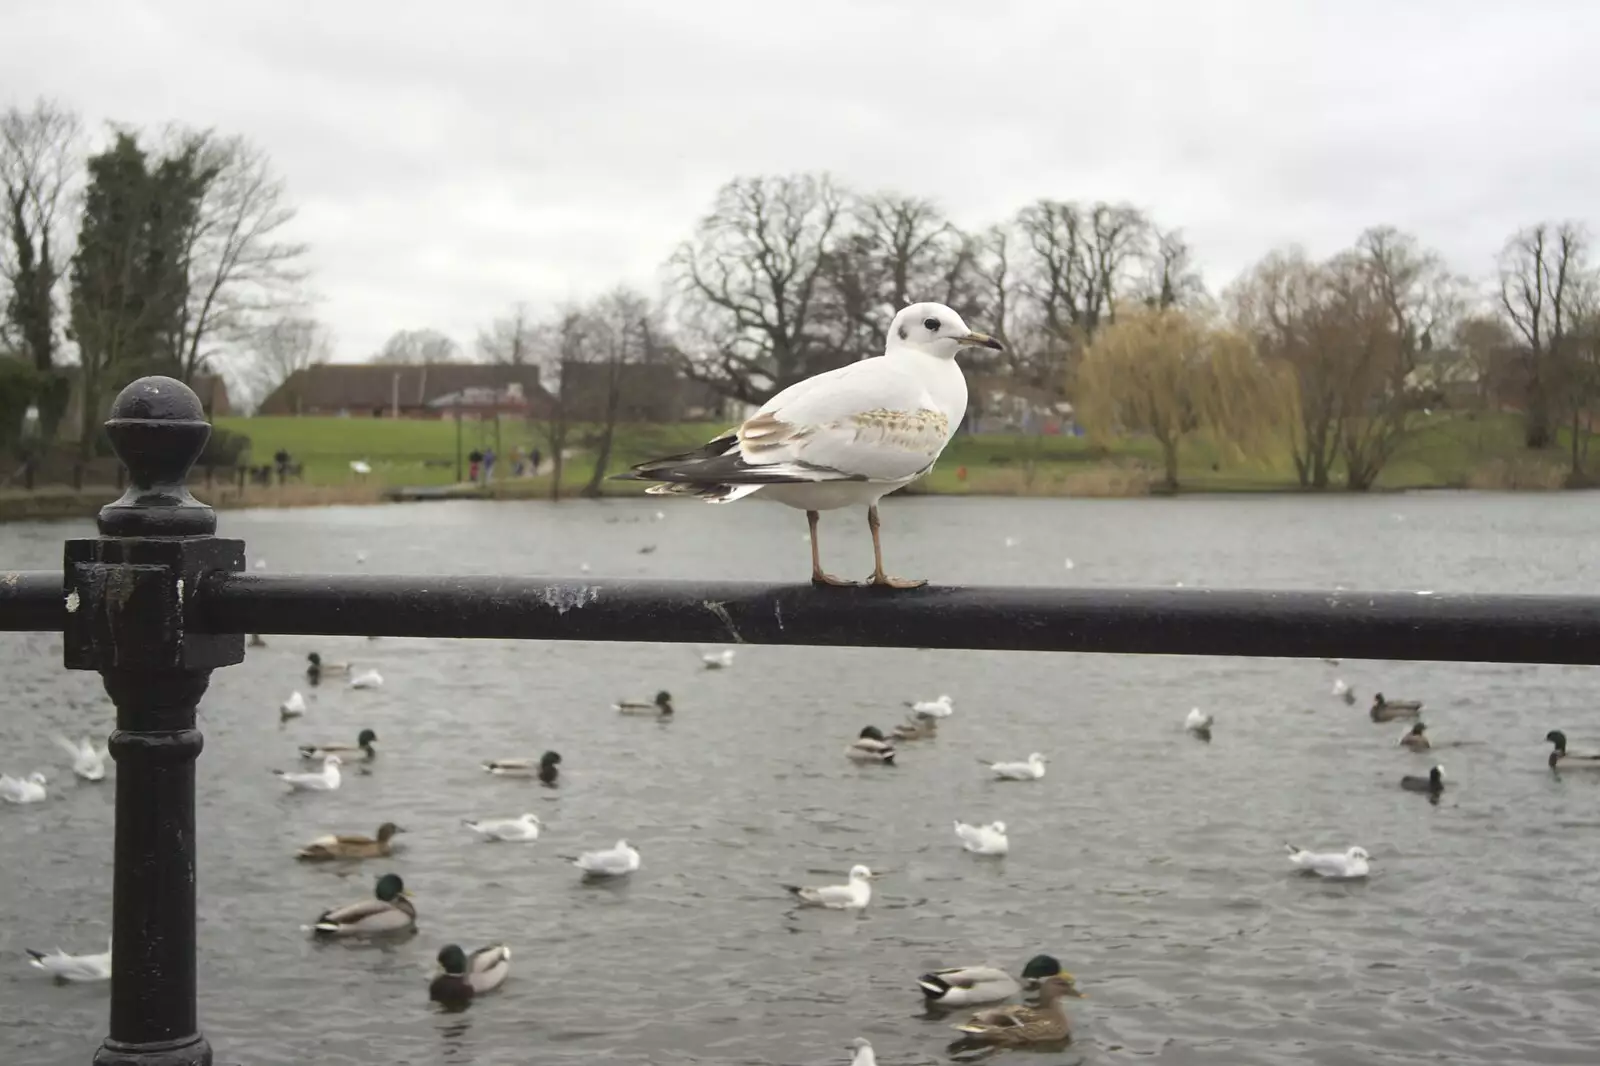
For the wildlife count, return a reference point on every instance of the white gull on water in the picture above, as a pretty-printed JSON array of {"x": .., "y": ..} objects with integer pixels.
[{"x": 845, "y": 438}]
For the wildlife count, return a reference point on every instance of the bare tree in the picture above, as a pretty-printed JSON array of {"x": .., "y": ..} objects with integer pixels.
[
  {"x": 279, "y": 349},
  {"x": 418, "y": 346},
  {"x": 1487, "y": 346},
  {"x": 1409, "y": 299},
  {"x": 1279, "y": 303},
  {"x": 1174, "y": 280},
  {"x": 241, "y": 269},
  {"x": 748, "y": 285},
  {"x": 560, "y": 343},
  {"x": 1544, "y": 276},
  {"x": 891, "y": 251},
  {"x": 511, "y": 339},
  {"x": 40, "y": 159},
  {"x": 621, "y": 330}
]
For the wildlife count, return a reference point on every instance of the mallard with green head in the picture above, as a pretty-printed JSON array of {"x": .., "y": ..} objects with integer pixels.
[
  {"x": 462, "y": 976},
  {"x": 389, "y": 911},
  {"x": 1388, "y": 710},
  {"x": 964, "y": 985},
  {"x": 363, "y": 745},
  {"x": 1561, "y": 758},
  {"x": 1013, "y": 1026},
  {"x": 660, "y": 707},
  {"x": 351, "y": 845}
]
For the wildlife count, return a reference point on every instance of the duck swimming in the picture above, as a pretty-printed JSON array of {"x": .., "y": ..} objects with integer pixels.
[
  {"x": 363, "y": 745},
  {"x": 316, "y": 669},
  {"x": 389, "y": 911},
  {"x": 1017, "y": 1025},
  {"x": 1388, "y": 710},
  {"x": 1433, "y": 783},
  {"x": 547, "y": 769},
  {"x": 661, "y": 706},
  {"x": 871, "y": 747},
  {"x": 464, "y": 976},
  {"x": 965, "y": 985},
  {"x": 916, "y": 728},
  {"x": 1199, "y": 724},
  {"x": 1417, "y": 738},
  {"x": 351, "y": 846},
  {"x": 1561, "y": 758}
]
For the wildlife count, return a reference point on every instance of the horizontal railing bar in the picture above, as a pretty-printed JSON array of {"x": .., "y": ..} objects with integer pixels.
[
  {"x": 1237, "y": 622},
  {"x": 1268, "y": 623},
  {"x": 32, "y": 601}
]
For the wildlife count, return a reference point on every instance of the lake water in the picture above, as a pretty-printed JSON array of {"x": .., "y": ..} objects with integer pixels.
[{"x": 1150, "y": 863}]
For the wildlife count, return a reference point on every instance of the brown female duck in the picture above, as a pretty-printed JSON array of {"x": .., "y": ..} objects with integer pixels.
[{"x": 1013, "y": 1026}]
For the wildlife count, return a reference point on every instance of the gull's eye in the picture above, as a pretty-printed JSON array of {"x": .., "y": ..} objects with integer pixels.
[{"x": 931, "y": 325}]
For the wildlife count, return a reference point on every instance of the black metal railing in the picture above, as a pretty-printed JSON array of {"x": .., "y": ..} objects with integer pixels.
[{"x": 157, "y": 601}]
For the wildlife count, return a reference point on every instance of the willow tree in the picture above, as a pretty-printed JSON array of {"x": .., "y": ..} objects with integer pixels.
[{"x": 1169, "y": 374}]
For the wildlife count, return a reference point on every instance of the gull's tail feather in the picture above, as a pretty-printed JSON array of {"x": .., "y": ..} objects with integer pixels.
[
  {"x": 718, "y": 493},
  {"x": 716, "y": 470}
]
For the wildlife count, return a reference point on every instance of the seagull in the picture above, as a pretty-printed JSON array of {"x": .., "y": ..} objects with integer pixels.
[
  {"x": 844, "y": 438},
  {"x": 983, "y": 839},
  {"x": 28, "y": 789},
  {"x": 1342, "y": 690},
  {"x": 1031, "y": 770},
  {"x": 367, "y": 679},
  {"x": 88, "y": 761},
  {"x": 361, "y": 557},
  {"x": 943, "y": 707},
  {"x": 64, "y": 967},
  {"x": 853, "y": 895},
  {"x": 1199, "y": 724},
  {"x": 293, "y": 707},
  {"x": 323, "y": 780},
  {"x": 516, "y": 830},
  {"x": 261, "y": 564},
  {"x": 718, "y": 660},
  {"x": 1333, "y": 865},
  {"x": 360, "y": 466},
  {"x": 861, "y": 1052},
  {"x": 618, "y": 860}
]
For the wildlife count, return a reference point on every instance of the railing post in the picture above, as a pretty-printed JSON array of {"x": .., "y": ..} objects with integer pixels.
[{"x": 129, "y": 595}]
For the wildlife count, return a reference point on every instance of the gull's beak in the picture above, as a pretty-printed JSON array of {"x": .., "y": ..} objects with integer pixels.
[{"x": 982, "y": 340}]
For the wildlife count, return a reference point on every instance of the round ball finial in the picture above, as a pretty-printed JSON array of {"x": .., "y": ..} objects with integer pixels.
[{"x": 158, "y": 429}]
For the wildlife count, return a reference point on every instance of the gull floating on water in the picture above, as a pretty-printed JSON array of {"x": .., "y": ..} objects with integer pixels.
[
  {"x": 718, "y": 660},
  {"x": 64, "y": 967},
  {"x": 514, "y": 830},
  {"x": 1199, "y": 724},
  {"x": 293, "y": 707},
  {"x": 28, "y": 789},
  {"x": 853, "y": 895},
  {"x": 367, "y": 679},
  {"x": 88, "y": 761},
  {"x": 983, "y": 839},
  {"x": 844, "y": 438},
  {"x": 618, "y": 860},
  {"x": 943, "y": 707},
  {"x": 1031, "y": 770},
  {"x": 324, "y": 780},
  {"x": 861, "y": 1053},
  {"x": 1333, "y": 865}
]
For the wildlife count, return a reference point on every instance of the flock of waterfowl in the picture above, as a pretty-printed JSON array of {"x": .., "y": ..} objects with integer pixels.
[{"x": 462, "y": 976}]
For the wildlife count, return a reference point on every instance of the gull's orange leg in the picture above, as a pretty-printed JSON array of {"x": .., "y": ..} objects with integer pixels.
[
  {"x": 878, "y": 576},
  {"x": 817, "y": 576}
]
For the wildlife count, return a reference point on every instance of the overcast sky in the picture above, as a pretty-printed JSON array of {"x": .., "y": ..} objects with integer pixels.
[{"x": 451, "y": 159}]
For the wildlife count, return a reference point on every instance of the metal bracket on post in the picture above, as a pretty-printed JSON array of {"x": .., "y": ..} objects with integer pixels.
[{"x": 130, "y": 599}]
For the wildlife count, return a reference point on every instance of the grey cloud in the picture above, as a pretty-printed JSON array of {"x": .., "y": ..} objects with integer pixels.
[{"x": 452, "y": 159}]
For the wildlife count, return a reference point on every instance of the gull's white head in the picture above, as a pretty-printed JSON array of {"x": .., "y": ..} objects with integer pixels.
[
  {"x": 531, "y": 819},
  {"x": 37, "y": 778},
  {"x": 860, "y": 873},
  {"x": 998, "y": 827},
  {"x": 935, "y": 330},
  {"x": 1036, "y": 758},
  {"x": 1357, "y": 852}
]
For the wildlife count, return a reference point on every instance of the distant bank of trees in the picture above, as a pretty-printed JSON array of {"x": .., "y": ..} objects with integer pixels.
[
  {"x": 166, "y": 250},
  {"x": 147, "y": 254}
]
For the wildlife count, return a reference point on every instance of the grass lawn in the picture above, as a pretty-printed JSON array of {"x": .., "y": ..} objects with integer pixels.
[{"x": 1444, "y": 451}]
